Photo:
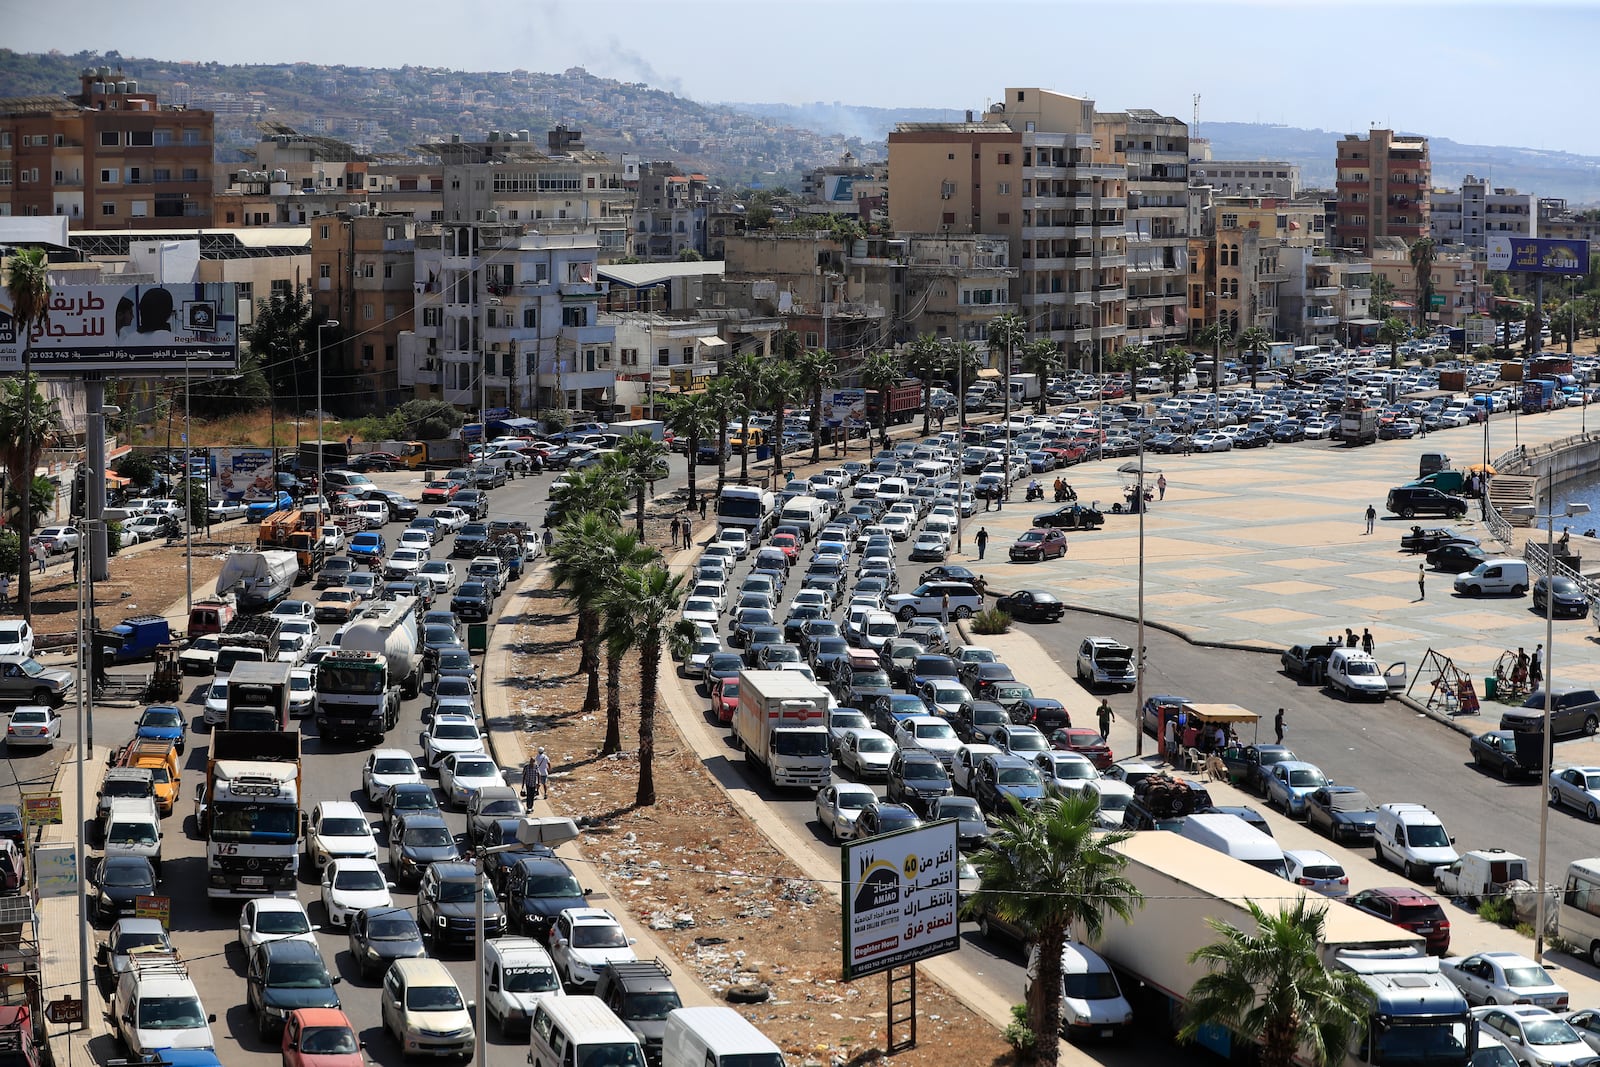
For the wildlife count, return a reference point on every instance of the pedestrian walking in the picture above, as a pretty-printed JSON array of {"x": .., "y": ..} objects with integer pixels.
[
  {"x": 1161, "y": 487},
  {"x": 1350, "y": 638},
  {"x": 1367, "y": 643},
  {"x": 541, "y": 768},
  {"x": 41, "y": 555},
  {"x": 702, "y": 508},
  {"x": 1535, "y": 662},
  {"x": 688, "y": 531},
  {"x": 5, "y": 591},
  {"x": 1277, "y": 726},
  {"x": 1106, "y": 716},
  {"x": 1372, "y": 517},
  {"x": 677, "y": 535},
  {"x": 530, "y": 782},
  {"x": 983, "y": 540},
  {"x": 1422, "y": 586}
]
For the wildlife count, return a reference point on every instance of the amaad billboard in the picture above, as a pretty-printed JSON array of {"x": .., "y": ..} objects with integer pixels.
[
  {"x": 133, "y": 330},
  {"x": 899, "y": 899}
]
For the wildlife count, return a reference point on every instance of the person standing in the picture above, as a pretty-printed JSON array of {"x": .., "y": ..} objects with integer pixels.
[
  {"x": 677, "y": 532},
  {"x": 1422, "y": 582},
  {"x": 1161, "y": 487},
  {"x": 982, "y": 539},
  {"x": 1519, "y": 669},
  {"x": 5, "y": 591},
  {"x": 1171, "y": 735},
  {"x": 541, "y": 769},
  {"x": 1372, "y": 517},
  {"x": 41, "y": 555},
  {"x": 1367, "y": 643},
  {"x": 944, "y": 609},
  {"x": 702, "y": 507},
  {"x": 1277, "y": 726},
  {"x": 1535, "y": 662},
  {"x": 1106, "y": 716},
  {"x": 1350, "y": 638}
]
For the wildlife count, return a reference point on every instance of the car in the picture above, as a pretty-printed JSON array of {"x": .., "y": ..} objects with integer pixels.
[
  {"x": 1066, "y": 770},
  {"x": 440, "y": 491},
  {"x": 200, "y": 655},
  {"x": 1002, "y": 778},
  {"x": 117, "y": 881},
  {"x": 423, "y": 1010},
  {"x": 337, "y": 829},
  {"x": 841, "y": 723},
  {"x": 1032, "y": 605},
  {"x": 1039, "y": 544},
  {"x": 1419, "y": 541},
  {"x": 838, "y": 805},
  {"x": 935, "y": 599},
  {"x": 292, "y": 648},
  {"x": 447, "y": 735},
  {"x": 1503, "y": 978},
  {"x": 490, "y": 807},
  {"x": 866, "y": 753},
  {"x": 404, "y": 799},
  {"x": 1456, "y": 557},
  {"x": 58, "y": 539},
  {"x": 1410, "y": 909},
  {"x": 1308, "y": 663},
  {"x": 16, "y": 637},
  {"x": 264, "y": 919},
  {"x": 24, "y": 680},
  {"x": 220, "y": 511},
  {"x": 462, "y": 774},
  {"x": 884, "y": 817},
  {"x": 582, "y": 941},
  {"x": 1500, "y": 752},
  {"x": 337, "y": 604},
  {"x": 1534, "y": 1035},
  {"x": 472, "y": 601},
  {"x": 385, "y": 768},
  {"x": 536, "y": 888},
  {"x": 1572, "y": 712},
  {"x": 1248, "y": 765},
  {"x": 972, "y": 829},
  {"x": 929, "y": 733},
  {"x": 977, "y": 722},
  {"x": 418, "y": 839},
  {"x": 282, "y": 976},
  {"x": 441, "y": 572},
  {"x": 129, "y": 938},
  {"x": 1587, "y": 1024},
  {"x": 1317, "y": 871},
  {"x": 1343, "y": 812},
  {"x": 447, "y": 905},
  {"x": 929, "y": 545},
  {"x": 448, "y": 518},
  {"x": 37, "y": 726},
  {"x": 1024, "y": 741},
  {"x": 1290, "y": 782},
  {"x": 351, "y": 885},
  {"x": 1407, "y": 501},
  {"x": 1566, "y": 602},
  {"x": 1086, "y": 742},
  {"x": 953, "y": 572},
  {"x": 379, "y": 936},
  {"x": 1577, "y": 788},
  {"x": 1106, "y": 661},
  {"x": 368, "y": 546}
]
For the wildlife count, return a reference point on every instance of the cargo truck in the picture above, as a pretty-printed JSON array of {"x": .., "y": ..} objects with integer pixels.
[
  {"x": 379, "y": 662},
  {"x": 1419, "y": 1017},
  {"x": 1538, "y": 394},
  {"x": 299, "y": 531},
  {"x": 749, "y": 507},
  {"x": 1358, "y": 422},
  {"x": 904, "y": 400},
  {"x": 258, "y": 579},
  {"x": 248, "y": 811},
  {"x": 258, "y": 697},
  {"x": 779, "y": 724},
  {"x": 1024, "y": 387}
]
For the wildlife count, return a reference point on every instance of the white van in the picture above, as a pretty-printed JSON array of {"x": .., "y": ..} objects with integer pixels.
[
  {"x": 1412, "y": 838},
  {"x": 133, "y": 828},
  {"x": 1579, "y": 917},
  {"x": 1356, "y": 675},
  {"x": 1092, "y": 1004},
  {"x": 568, "y": 1030},
  {"x": 715, "y": 1037},
  {"x": 1232, "y": 836},
  {"x": 1494, "y": 577},
  {"x": 807, "y": 513}
]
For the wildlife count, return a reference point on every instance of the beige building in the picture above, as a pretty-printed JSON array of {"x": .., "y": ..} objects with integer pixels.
[
  {"x": 1475, "y": 211},
  {"x": 831, "y": 301},
  {"x": 297, "y": 177},
  {"x": 1155, "y": 148},
  {"x": 1239, "y": 275},
  {"x": 1460, "y": 285},
  {"x": 1382, "y": 185},
  {"x": 957, "y": 285},
  {"x": 1326, "y": 297},
  {"x": 363, "y": 275}
]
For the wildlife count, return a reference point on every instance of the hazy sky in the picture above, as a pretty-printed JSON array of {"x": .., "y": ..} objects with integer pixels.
[{"x": 1481, "y": 72}]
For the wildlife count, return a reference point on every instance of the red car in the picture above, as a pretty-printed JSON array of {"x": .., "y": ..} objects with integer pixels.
[
  {"x": 320, "y": 1037},
  {"x": 1409, "y": 909},
  {"x": 1039, "y": 544},
  {"x": 440, "y": 492},
  {"x": 1113, "y": 391},
  {"x": 725, "y": 698},
  {"x": 789, "y": 543},
  {"x": 1085, "y": 742},
  {"x": 1066, "y": 455}
]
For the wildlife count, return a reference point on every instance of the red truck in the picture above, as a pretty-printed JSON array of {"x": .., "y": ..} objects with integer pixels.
[{"x": 905, "y": 403}]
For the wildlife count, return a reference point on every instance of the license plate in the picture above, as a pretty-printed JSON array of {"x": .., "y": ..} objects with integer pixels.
[
  {"x": 1425, "y": 929},
  {"x": 1107, "y": 1033},
  {"x": 252, "y": 880}
]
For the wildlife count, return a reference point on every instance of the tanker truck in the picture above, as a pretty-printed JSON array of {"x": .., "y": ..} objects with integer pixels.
[{"x": 379, "y": 661}]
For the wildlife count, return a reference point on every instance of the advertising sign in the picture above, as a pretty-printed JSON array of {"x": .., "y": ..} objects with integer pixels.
[
  {"x": 1538, "y": 255},
  {"x": 41, "y": 809},
  {"x": 154, "y": 908},
  {"x": 1480, "y": 331},
  {"x": 130, "y": 329},
  {"x": 845, "y": 406},
  {"x": 245, "y": 470},
  {"x": 55, "y": 870},
  {"x": 899, "y": 898}
]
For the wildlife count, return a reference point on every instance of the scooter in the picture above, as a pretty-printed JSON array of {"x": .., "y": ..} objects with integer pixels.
[{"x": 1035, "y": 492}]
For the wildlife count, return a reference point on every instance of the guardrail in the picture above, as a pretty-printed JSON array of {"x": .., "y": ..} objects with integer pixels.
[
  {"x": 1512, "y": 462},
  {"x": 1538, "y": 558},
  {"x": 1499, "y": 528}
]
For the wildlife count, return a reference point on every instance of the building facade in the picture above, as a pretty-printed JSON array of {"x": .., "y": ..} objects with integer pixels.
[
  {"x": 1466, "y": 216},
  {"x": 1382, "y": 184},
  {"x": 363, "y": 267},
  {"x": 1233, "y": 177},
  {"x": 1326, "y": 296},
  {"x": 1155, "y": 149},
  {"x": 669, "y": 212}
]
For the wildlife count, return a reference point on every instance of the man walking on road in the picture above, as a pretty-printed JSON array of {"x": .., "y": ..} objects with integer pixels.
[
  {"x": 1277, "y": 726},
  {"x": 1170, "y": 735},
  {"x": 983, "y": 540},
  {"x": 1106, "y": 716},
  {"x": 1161, "y": 487},
  {"x": 1367, "y": 643},
  {"x": 1422, "y": 580},
  {"x": 1372, "y": 517}
]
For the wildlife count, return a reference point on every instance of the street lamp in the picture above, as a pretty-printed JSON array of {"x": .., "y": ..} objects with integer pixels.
[
  {"x": 1547, "y": 742},
  {"x": 1138, "y": 675},
  {"x": 320, "y": 327}
]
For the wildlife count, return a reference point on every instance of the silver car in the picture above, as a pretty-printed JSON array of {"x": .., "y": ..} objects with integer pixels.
[{"x": 1577, "y": 788}]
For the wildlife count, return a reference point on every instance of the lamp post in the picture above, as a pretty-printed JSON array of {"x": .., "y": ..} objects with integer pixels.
[
  {"x": 1140, "y": 470},
  {"x": 1547, "y": 741},
  {"x": 320, "y": 327}
]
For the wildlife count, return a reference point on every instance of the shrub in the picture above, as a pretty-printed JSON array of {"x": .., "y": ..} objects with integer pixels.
[
  {"x": 1019, "y": 1035},
  {"x": 1497, "y": 910},
  {"x": 991, "y": 621},
  {"x": 10, "y": 551}
]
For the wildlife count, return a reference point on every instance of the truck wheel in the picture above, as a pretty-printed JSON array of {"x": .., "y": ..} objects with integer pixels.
[{"x": 42, "y": 696}]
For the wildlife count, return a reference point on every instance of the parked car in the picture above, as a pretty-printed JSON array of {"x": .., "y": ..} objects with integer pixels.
[
  {"x": 1572, "y": 712},
  {"x": 1410, "y": 909},
  {"x": 1503, "y": 978},
  {"x": 1032, "y": 605},
  {"x": 1577, "y": 788},
  {"x": 1499, "y": 752},
  {"x": 1343, "y": 812},
  {"x": 1039, "y": 544}
]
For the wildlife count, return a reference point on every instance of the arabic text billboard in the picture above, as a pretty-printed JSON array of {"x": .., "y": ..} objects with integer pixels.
[
  {"x": 1538, "y": 255},
  {"x": 130, "y": 329},
  {"x": 900, "y": 898}
]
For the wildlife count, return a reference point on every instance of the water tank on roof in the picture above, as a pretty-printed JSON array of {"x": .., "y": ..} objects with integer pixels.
[
  {"x": 455, "y": 138},
  {"x": 280, "y": 175},
  {"x": 105, "y": 72},
  {"x": 494, "y": 135},
  {"x": 352, "y": 210},
  {"x": 524, "y": 135},
  {"x": 99, "y": 87},
  {"x": 133, "y": 86},
  {"x": 491, "y": 216},
  {"x": 122, "y": 87},
  {"x": 260, "y": 176},
  {"x": 242, "y": 177}
]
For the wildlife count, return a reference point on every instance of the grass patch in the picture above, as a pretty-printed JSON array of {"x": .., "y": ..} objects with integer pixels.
[{"x": 1497, "y": 910}]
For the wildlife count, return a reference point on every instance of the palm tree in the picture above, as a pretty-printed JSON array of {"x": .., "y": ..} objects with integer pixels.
[
  {"x": 1175, "y": 363},
  {"x": 1048, "y": 869},
  {"x": 646, "y": 599},
  {"x": 1130, "y": 359},
  {"x": 597, "y": 489},
  {"x": 578, "y": 556},
  {"x": 1422, "y": 254},
  {"x": 639, "y": 461},
  {"x": 689, "y": 416},
  {"x": 926, "y": 358},
  {"x": 623, "y": 550},
  {"x": 881, "y": 371},
  {"x": 745, "y": 372},
  {"x": 721, "y": 397},
  {"x": 1506, "y": 314},
  {"x": 1255, "y": 340},
  {"x": 1270, "y": 986},
  {"x": 1044, "y": 358},
  {"x": 1007, "y": 335},
  {"x": 818, "y": 370},
  {"x": 966, "y": 360},
  {"x": 28, "y": 287},
  {"x": 1391, "y": 333},
  {"x": 1214, "y": 335},
  {"x": 780, "y": 387}
]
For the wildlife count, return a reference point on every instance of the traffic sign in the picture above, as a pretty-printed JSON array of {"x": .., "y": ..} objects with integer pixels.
[{"x": 65, "y": 1010}]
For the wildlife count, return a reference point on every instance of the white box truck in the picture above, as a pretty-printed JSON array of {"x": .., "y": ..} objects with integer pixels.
[
  {"x": 1185, "y": 883},
  {"x": 780, "y": 724}
]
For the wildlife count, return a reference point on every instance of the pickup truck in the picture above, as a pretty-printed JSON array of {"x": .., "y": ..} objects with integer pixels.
[
  {"x": 1481, "y": 873},
  {"x": 1307, "y": 663}
]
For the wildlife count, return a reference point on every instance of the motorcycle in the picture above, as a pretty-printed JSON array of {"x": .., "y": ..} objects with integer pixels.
[{"x": 1035, "y": 492}]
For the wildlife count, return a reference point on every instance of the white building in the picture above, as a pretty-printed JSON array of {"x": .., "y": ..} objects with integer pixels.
[
  {"x": 657, "y": 353},
  {"x": 1235, "y": 177},
  {"x": 1466, "y": 216}
]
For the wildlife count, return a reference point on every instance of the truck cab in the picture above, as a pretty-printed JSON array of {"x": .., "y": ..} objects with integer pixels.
[{"x": 1480, "y": 873}]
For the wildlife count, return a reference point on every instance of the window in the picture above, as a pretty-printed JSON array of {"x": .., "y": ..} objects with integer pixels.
[
  {"x": 5, "y": 173},
  {"x": 366, "y": 355},
  {"x": 1005, "y": 159},
  {"x": 108, "y": 209},
  {"x": 530, "y": 318},
  {"x": 109, "y": 175},
  {"x": 430, "y": 316},
  {"x": 108, "y": 138},
  {"x": 163, "y": 138},
  {"x": 366, "y": 270},
  {"x": 388, "y": 270},
  {"x": 161, "y": 174},
  {"x": 245, "y": 292},
  {"x": 192, "y": 137},
  {"x": 325, "y": 271},
  {"x": 1230, "y": 222},
  {"x": 138, "y": 209},
  {"x": 1002, "y": 188},
  {"x": 141, "y": 138},
  {"x": 324, "y": 230},
  {"x": 366, "y": 312},
  {"x": 948, "y": 218},
  {"x": 5, "y": 139},
  {"x": 280, "y": 287}
]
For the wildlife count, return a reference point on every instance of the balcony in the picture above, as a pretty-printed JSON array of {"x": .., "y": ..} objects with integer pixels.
[
  {"x": 582, "y": 290},
  {"x": 1322, "y": 321}
]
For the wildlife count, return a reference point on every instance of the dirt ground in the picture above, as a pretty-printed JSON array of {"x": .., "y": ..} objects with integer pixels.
[{"x": 706, "y": 879}]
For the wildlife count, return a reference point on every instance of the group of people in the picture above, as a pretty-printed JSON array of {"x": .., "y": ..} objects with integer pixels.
[
  {"x": 1180, "y": 734},
  {"x": 1527, "y": 671},
  {"x": 1350, "y": 640},
  {"x": 682, "y": 531}
]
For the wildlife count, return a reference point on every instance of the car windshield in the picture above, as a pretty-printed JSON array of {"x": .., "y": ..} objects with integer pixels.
[
  {"x": 551, "y": 886},
  {"x": 1427, "y": 836},
  {"x": 628, "y": 1055},
  {"x": 937, "y": 731},
  {"x": 153, "y": 717},
  {"x": 139, "y": 939},
  {"x": 652, "y": 1006},
  {"x": 1357, "y": 668},
  {"x": 848, "y": 720},
  {"x": 394, "y": 766},
  {"x": 1018, "y": 776},
  {"x": 922, "y": 772},
  {"x": 125, "y": 875},
  {"x": 297, "y": 975},
  {"x": 360, "y": 880},
  {"x": 284, "y": 923},
  {"x": 1027, "y": 742},
  {"x": 874, "y": 744},
  {"x": 870, "y": 679},
  {"x": 455, "y": 731},
  {"x": 1096, "y": 985},
  {"x": 328, "y": 1041},
  {"x": 1073, "y": 768},
  {"x": 392, "y": 930},
  {"x": 131, "y": 833},
  {"x": 1549, "y": 1032},
  {"x": 428, "y": 836},
  {"x": 1307, "y": 779},
  {"x": 461, "y": 892},
  {"x": 474, "y": 769},
  {"x": 882, "y": 628},
  {"x": 346, "y": 827},
  {"x": 170, "y": 1013},
  {"x": 798, "y": 743},
  {"x": 959, "y": 808},
  {"x": 531, "y": 980},
  {"x": 434, "y": 998},
  {"x": 1527, "y": 977},
  {"x": 1114, "y": 801},
  {"x": 598, "y": 935}
]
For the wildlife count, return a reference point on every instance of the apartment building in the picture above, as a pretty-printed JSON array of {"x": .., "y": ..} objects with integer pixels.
[
  {"x": 659, "y": 353},
  {"x": 298, "y": 177},
  {"x": 1239, "y": 275},
  {"x": 363, "y": 265},
  {"x": 1460, "y": 286},
  {"x": 1033, "y": 170},
  {"x": 1466, "y": 215},
  {"x": 1234, "y": 177},
  {"x": 669, "y": 212},
  {"x": 1382, "y": 184},
  {"x": 1155, "y": 148},
  {"x": 1558, "y": 223},
  {"x": 110, "y": 157},
  {"x": 1326, "y": 295},
  {"x": 848, "y": 187},
  {"x": 507, "y": 318},
  {"x": 956, "y": 284},
  {"x": 812, "y": 280}
]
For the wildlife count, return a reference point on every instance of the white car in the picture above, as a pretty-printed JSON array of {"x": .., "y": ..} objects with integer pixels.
[
  {"x": 33, "y": 726},
  {"x": 518, "y": 973},
  {"x": 441, "y": 572},
  {"x": 1536, "y": 1037},
  {"x": 1212, "y": 442},
  {"x": 302, "y": 692},
  {"x": 1503, "y": 978},
  {"x": 222, "y": 510},
  {"x": 451, "y": 518},
  {"x": 216, "y": 703},
  {"x": 58, "y": 539},
  {"x": 1091, "y": 1000},
  {"x": 1317, "y": 871},
  {"x": 292, "y": 648},
  {"x": 404, "y": 562},
  {"x": 701, "y": 609},
  {"x": 946, "y": 696},
  {"x": 1318, "y": 429},
  {"x": 899, "y": 526},
  {"x": 350, "y": 885},
  {"x": 1577, "y": 788},
  {"x": 417, "y": 541},
  {"x": 448, "y": 735},
  {"x": 931, "y": 733},
  {"x": 464, "y": 773},
  {"x": 294, "y": 609},
  {"x": 583, "y": 941},
  {"x": 16, "y": 638},
  {"x": 338, "y": 829},
  {"x": 306, "y": 628},
  {"x": 866, "y": 753},
  {"x": 386, "y": 768},
  {"x": 1067, "y": 770},
  {"x": 736, "y": 538},
  {"x": 1115, "y": 796},
  {"x": 333, "y": 539},
  {"x": 931, "y": 546},
  {"x": 264, "y": 919},
  {"x": 839, "y": 804}
]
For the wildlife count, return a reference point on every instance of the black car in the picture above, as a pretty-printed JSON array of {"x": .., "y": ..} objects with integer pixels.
[
  {"x": 472, "y": 601},
  {"x": 407, "y": 799},
  {"x": 471, "y": 540},
  {"x": 1252, "y": 439},
  {"x": 1567, "y": 600},
  {"x": 953, "y": 573},
  {"x": 1289, "y": 431},
  {"x": 1248, "y": 764},
  {"x": 118, "y": 882},
  {"x": 379, "y": 936},
  {"x": 422, "y": 591},
  {"x": 447, "y": 905},
  {"x": 285, "y": 975},
  {"x": 1508, "y": 753},
  {"x": 1343, "y": 812},
  {"x": 976, "y": 722},
  {"x": 884, "y": 817},
  {"x": 1032, "y": 605},
  {"x": 721, "y": 665},
  {"x": 435, "y": 638},
  {"x": 416, "y": 842},
  {"x": 474, "y": 502},
  {"x": 760, "y": 637},
  {"x": 1409, "y": 500},
  {"x": 1046, "y": 714},
  {"x": 1307, "y": 663},
  {"x": 537, "y": 889},
  {"x": 1418, "y": 541},
  {"x": 400, "y": 509},
  {"x": 1457, "y": 557},
  {"x": 917, "y": 778},
  {"x": 1072, "y": 516}
]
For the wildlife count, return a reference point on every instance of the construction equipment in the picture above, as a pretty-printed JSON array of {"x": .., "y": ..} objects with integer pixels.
[
  {"x": 166, "y": 683},
  {"x": 300, "y": 531}
]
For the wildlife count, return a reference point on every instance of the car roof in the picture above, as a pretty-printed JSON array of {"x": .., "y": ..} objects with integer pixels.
[
  {"x": 579, "y": 916},
  {"x": 1402, "y": 894},
  {"x": 341, "y": 807},
  {"x": 290, "y": 947},
  {"x": 453, "y": 719},
  {"x": 1007, "y": 759}
]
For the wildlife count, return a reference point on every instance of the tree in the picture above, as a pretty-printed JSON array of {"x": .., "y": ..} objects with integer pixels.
[
  {"x": 818, "y": 370},
  {"x": 1270, "y": 986},
  {"x": 231, "y": 394},
  {"x": 138, "y": 469},
  {"x": 1044, "y": 358},
  {"x": 1422, "y": 255},
  {"x": 1007, "y": 335},
  {"x": 721, "y": 396},
  {"x": 427, "y": 420},
  {"x": 623, "y": 550},
  {"x": 780, "y": 387},
  {"x": 881, "y": 371},
  {"x": 639, "y": 461},
  {"x": 597, "y": 489},
  {"x": 1255, "y": 340},
  {"x": 1382, "y": 296},
  {"x": 647, "y": 600},
  {"x": 1175, "y": 365},
  {"x": 1506, "y": 313},
  {"x": 1129, "y": 360},
  {"x": 28, "y": 287},
  {"x": 1393, "y": 331},
  {"x": 283, "y": 331},
  {"x": 1048, "y": 869},
  {"x": 1214, "y": 335},
  {"x": 689, "y": 416},
  {"x": 745, "y": 373},
  {"x": 577, "y": 557},
  {"x": 40, "y": 499},
  {"x": 926, "y": 359}
]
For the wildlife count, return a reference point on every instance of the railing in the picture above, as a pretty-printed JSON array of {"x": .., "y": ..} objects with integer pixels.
[
  {"x": 1513, "y": 462},
  {"x": 1538, "y": 558}
]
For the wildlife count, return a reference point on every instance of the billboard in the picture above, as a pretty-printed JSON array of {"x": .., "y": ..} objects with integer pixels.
[
  {"x": 129, "y": 329},
  {"x": 55, "y": 870},
  {"x": 1538, "y": 255},
  {"x": 245, "y": 470},
  {"x": 900, "y": 898},
  {"x": 845, "y": 406}
]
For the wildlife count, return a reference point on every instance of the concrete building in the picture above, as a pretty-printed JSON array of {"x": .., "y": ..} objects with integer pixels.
[
  {"x": 804, "y": 278},
  {"x": 957, "y": 284},
  {"x": 849, "y": 187},
  {"x": 1155, "y": 148},
  {"x": 297, "y": 177},
  {"x": 1558, "y": 223},
  {"x": 1326, "y": 296},
  {"x": 363, "y": 273},
  {"x": 1233, "y": 177},
  {"x": 669, "y": 212},
  {"x": 1466, "y": 215},
  {"x": 657, "y": 354},
  {"x": 508, "y": 318},
  {"x": 1240, "y": 276},
  {"x": 110, "y": 157},
  {"x": 1459, "y": 282},
  {"x": 1382, "y": 184}
]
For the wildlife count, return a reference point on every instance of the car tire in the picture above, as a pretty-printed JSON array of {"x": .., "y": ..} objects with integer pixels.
[
  {"x": 1591, "y": 724},
  {"x": 1518, "y": 590},
  {"x": 1406, "y": 513},
  {"x": 1506, "y": 772}
]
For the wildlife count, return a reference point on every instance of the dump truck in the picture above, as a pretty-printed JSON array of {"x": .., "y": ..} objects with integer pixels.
[
  {"x": 780, "y": 726},
  {"x": 1186, "y": 884},
  {"x": 904, "y": 399},
  {"x": 248, "y": 811},
  {"x": 258, "y": 579},
  {"x": 379, "y": 662},
  {"x": 258, "y": 697},
  {"x": 299, "y": 531},
  {"x": 1358, "y": 422}
]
